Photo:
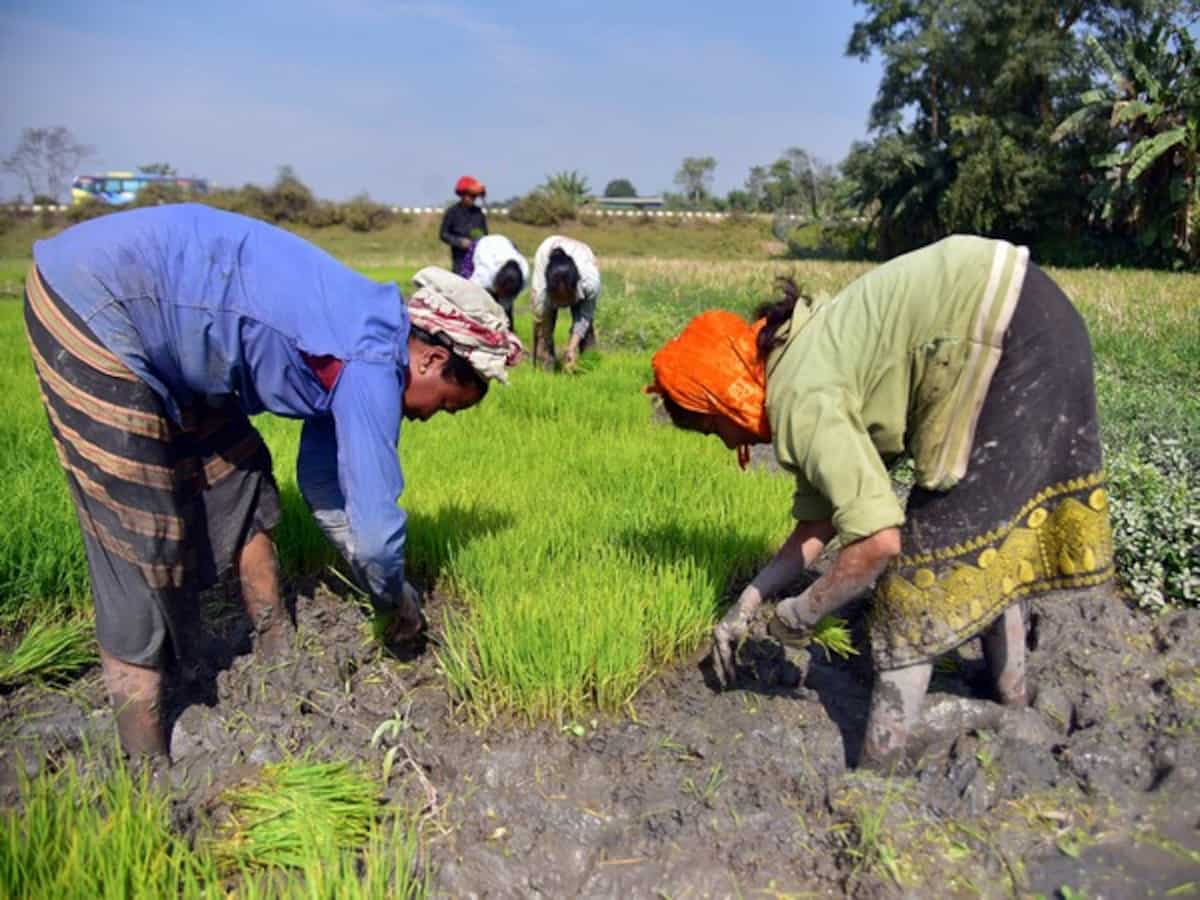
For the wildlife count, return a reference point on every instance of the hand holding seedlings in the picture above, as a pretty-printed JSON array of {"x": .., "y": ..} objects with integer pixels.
[
  {"x": 730, "y": 632},
  {"x": 402, "y": 623}
]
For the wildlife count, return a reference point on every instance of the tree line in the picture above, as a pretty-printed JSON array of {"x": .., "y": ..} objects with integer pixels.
[{"x": 1073, "y": 127}]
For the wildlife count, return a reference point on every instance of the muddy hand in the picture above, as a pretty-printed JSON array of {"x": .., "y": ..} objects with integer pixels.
[
  {"x": 402, "y": 623},
  {"x": 727, "y": 637}
]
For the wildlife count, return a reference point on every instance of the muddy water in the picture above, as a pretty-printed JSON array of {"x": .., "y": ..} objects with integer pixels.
[{"x": 703, "y": 793}]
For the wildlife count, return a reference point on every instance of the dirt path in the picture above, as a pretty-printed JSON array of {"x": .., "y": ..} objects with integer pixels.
[{"x": 699, "y": 793}]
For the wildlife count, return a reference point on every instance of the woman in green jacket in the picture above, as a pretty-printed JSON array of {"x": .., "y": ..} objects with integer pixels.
[{"x": 969, "y": 360}]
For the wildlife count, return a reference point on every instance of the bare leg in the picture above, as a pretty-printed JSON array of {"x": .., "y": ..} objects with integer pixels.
[
  {"x": 136, "y": 695},
  {"x": 258, "y": 573},
  {"x": 1004, "y": 650},
  {"x": 895, "y": 708}
]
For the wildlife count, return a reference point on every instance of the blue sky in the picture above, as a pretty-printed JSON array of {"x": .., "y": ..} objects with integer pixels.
[{"x": 399, "y": 99}]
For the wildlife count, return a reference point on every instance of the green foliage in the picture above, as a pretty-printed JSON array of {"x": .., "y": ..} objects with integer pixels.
[
  {"x": 543, "y": 208},
  {"x": 363, "y": 214},
  {"x": 796, "y": 183},
  {"x": 998, "y": 179},
  {"x": 897, "y": 182},
  {"x": 1148, "y": 168},
  {"x": 248, "y": 200},
  {"x": 974, "y": 111},
  {"x": 571, "y": 186},
  {"x": 620, "y": 187},
  {"x": 828, "y": 240},
  {"x": 290, "y": 202},
  {"x": 1156, "y": 523},
  {"x": 694, "y": 178},
  {"x": 324, "y": 214},
  {"x": 156, "y": 193},
  {"x": 88, "y": 209},
  {"x": 289, "y": 198}
]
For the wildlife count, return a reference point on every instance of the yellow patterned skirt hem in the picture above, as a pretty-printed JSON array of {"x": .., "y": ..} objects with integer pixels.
[{"x": 929, "y": 603}]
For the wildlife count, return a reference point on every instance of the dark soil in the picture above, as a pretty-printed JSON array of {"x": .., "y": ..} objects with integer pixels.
[{"x": 699, "y": 792}]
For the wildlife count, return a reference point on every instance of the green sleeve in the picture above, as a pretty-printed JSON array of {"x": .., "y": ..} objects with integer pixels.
[{"x": 839, "y": 473}]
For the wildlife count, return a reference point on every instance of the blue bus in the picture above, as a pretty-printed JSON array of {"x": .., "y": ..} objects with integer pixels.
[{"x": 119, "y": 188}]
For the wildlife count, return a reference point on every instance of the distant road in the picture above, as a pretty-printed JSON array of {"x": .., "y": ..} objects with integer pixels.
[{"x": 503, "y": 211}]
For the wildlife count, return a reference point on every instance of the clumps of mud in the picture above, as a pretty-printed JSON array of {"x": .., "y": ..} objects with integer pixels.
[{"x": 709, "y": 793}]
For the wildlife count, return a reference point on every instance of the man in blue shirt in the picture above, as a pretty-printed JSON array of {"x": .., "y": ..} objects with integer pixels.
[{"x": 155, "y": 334}]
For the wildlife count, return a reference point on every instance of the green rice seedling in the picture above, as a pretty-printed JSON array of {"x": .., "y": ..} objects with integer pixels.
[
  {"x": 49, "y": 651},
  {"x": 832, "y": 634},
  {"x": 97, "y": 832},
  {"x": 389, "y": 864},
  {"x": 101, "y": 831},
  {"x": 871, "y": 849},
  {"x": 296, "y": 805},
  {"x": 575, "y": 588}
]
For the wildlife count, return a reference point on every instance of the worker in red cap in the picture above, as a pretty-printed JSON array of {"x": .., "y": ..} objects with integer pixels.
[{"x": 464, "y": 222}]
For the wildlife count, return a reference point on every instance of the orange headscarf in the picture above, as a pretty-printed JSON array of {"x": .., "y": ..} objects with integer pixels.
[{"x": 712, "y": 367}]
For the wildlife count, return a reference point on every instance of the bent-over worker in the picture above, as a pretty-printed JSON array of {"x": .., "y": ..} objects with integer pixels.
[
  {"x": 497, "y": 266},
  {"x": 970, "y": 360},
  {"x": 564, "y": 276},
  {"x": 155, "y": 335}
]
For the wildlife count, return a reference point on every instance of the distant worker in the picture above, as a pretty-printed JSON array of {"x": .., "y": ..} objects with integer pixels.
[
  {"x": 970, "y": 360},
  {"x": 564, "y": 276},
  {"x": 155, "y": 335},
  {"x": 464, "y": 222},
  {"x": 497, "y": 266}
]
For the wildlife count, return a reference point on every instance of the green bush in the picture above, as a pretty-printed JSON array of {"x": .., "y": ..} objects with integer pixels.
[
  {"x": 827, "y": 240},
  {"x": 88, "y": 209},
  {"x": 542, "y": 208},
  {"x": 248, "y": 200},
  {"x": 363, "y": 214},
  {"x": 289, "y": 198},
  {"x": 157, "y": 193},
  {"x": 1156, "y": 523},
  {"x": 324, "y": 214}
]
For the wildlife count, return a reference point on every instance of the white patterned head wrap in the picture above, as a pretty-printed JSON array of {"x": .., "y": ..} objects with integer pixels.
[{"x": 466, "y": 316}]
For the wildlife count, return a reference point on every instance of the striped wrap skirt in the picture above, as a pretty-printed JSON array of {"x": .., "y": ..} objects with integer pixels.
[{"x": 164, "y": 507}]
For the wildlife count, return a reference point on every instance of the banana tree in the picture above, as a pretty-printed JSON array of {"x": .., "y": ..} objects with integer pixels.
[{"x": 1150, "y": 98}]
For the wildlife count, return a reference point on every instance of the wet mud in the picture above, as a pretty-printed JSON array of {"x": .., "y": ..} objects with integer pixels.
[{"x": 699, "y": 792}]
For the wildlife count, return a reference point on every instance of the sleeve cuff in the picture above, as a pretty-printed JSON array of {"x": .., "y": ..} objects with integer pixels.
[
  {"x": 867, "y": 516},
  {"x": 811, "y": 508}
]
